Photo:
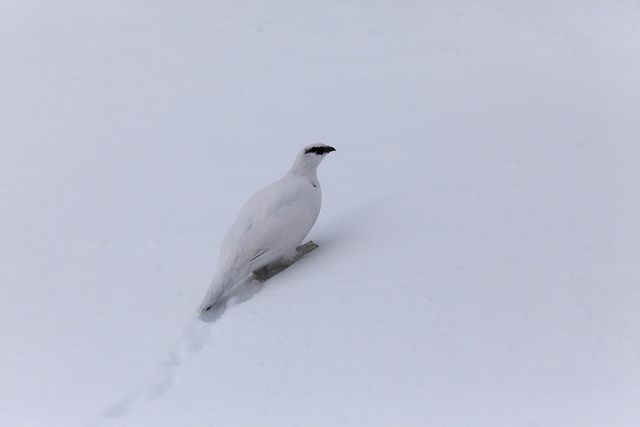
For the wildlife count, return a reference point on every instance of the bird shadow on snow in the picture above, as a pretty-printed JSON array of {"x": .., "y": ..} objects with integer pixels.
[
  {"x": 240, "y": 293},
  {"x": 246, "y": 289}
]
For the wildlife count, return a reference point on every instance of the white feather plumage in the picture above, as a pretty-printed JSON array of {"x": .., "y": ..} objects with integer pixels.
[{"x": 270, "y": 225}]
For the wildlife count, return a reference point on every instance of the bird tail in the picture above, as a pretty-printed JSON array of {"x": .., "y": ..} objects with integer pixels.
[{"x": 220, "y": 284}]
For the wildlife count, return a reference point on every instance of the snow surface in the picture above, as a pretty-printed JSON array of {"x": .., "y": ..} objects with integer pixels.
[{"x": 479, "y": 240}]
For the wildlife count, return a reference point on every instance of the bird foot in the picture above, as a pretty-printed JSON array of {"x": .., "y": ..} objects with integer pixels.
[
  {"x": 306, "y": 248},
  {"x": 270, "y": 270}
]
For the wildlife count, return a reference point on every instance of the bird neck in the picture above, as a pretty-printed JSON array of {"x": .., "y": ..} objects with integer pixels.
[{"x": 306, "y": 169}]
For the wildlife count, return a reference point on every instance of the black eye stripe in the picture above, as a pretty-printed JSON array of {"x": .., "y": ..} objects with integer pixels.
[{"x": 320, "y": 150}]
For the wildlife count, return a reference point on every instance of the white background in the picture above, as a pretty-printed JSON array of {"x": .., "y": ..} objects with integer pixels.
[{"x": 479, "y": 256}]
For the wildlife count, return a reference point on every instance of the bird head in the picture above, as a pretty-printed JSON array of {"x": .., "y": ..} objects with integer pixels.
[{"x": 310, "y": 157}]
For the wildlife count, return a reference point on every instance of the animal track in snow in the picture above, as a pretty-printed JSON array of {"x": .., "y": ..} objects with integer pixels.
[{"x": 195, "y": 338}]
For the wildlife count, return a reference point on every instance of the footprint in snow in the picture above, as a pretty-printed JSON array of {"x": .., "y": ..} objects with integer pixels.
[{"x": 194, "y": 338}]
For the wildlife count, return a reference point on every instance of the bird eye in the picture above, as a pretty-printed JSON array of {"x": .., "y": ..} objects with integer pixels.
[{"x": 319, "y": 150}]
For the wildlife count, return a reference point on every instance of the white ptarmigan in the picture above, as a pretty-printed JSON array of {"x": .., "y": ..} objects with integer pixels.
[{"x": 272, "y": 223}]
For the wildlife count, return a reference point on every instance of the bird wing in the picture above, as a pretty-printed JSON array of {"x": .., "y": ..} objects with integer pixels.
[{"x": 271, "y": 224}]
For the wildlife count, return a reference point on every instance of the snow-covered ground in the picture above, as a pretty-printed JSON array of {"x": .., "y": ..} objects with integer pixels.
[{"x": 479, "y": 259}]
